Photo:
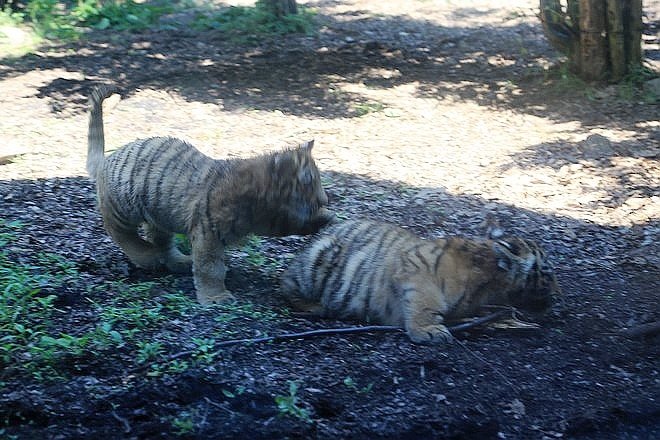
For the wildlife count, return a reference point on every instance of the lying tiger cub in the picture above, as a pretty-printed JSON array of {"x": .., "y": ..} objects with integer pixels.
[{"x": 377, "y": 272}]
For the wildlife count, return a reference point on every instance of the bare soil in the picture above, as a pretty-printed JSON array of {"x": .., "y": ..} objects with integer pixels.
[{"x": 431, "y": 115}]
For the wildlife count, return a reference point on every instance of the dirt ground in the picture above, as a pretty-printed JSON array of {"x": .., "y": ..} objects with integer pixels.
[{"x": 429, "y": 114}]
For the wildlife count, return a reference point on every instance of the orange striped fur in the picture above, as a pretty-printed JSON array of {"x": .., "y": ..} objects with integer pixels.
[
  {"x": 380, "y": 273},
  {"x": 168, "y": 186}
]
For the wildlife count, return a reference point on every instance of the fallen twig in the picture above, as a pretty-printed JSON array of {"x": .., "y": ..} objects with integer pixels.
[
  {"x": 479, "y": 321},
  {"x": 342, "y": 331},
  {"x": 123, "y": 421},
  {"x": 336, "y": 331},
  {"x": 642, "y": 330}
]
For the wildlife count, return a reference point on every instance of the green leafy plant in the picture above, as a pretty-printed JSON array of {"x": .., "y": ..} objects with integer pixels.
[
  {"x": 184, "y": 423},
  {"x": 565, "y": 81},
  {"x": 249, "y": 23},
  {"x": 290, "y": 404},
  {"x": 148, "y": 351},
  {"x": 231, "y": 312},
  {"x": 64, "y": 20},
  {"x": 10, "y": 18},
  {"x": 8, "y": 231},
  {"x": 240, "y": 389},
  {"x": 132, "y": 319},
  {"x": 350, "y": 383},
  {"x": 120, "y": 15},
  {"x": 26, "y": 341},
  {"x": 204, "y": 350}
]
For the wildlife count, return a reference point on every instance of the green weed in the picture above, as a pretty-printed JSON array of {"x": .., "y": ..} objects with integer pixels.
[
  {"x": 631, "y": 86},
  {"x": 147, "y": 351},
  {"x": 252, "y": 23},
  {"x": 254, "y": 255},
  {"x": 26, "y": 341},
  {"x": 184, "y": 423},
  {"x": 8, "y": 231},
  {"x": 240, "y": 389},
  {"x": 11, "y": 18},
  {"x": 350, "y": 383},
  {"x": 290, "y": 404},
  {"x": 204, "y": 350},
  {"x": 565, "y": 81},
  {"x": 365, "y": 108},
  {"x": 63, "y": 20}
]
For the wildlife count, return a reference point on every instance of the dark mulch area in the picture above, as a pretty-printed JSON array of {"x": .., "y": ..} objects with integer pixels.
[{"x": 575, "y": 376}]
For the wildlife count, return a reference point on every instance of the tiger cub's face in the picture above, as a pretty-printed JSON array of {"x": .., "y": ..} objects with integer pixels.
[
  {"x": 533, "y": 281},
  {"x": 302, "y": 202}
]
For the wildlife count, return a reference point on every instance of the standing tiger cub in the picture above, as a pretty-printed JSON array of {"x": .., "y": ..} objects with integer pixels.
[
  {"x": 377, "y": 272},
  {"x": 170, "y": 187}
]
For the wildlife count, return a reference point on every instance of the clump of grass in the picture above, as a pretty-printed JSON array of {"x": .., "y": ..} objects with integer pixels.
[
  {"x": 25, "y": 311},
  {"x": 565, "y": 81},
  {"x": 632, "y": 85},
  {"x": 364, "y": 108},
  {"x": 55, "y": 19},
  {"x": 36, "y": 341},
  {"x": 242, "y": 23}
]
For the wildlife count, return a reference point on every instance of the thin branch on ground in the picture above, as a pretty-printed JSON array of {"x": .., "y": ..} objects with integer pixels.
[
  {"x": 338, "y": 331},
  {"x": 123, "y": 421}
]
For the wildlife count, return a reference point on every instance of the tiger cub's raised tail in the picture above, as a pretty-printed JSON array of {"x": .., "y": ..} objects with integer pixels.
[{"x": 95, "y": 136}]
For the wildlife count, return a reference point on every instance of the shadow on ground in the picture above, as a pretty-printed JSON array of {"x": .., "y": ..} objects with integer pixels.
[
  {"x": 497, "y": 66},
  {"x": 573, "y": 377}
]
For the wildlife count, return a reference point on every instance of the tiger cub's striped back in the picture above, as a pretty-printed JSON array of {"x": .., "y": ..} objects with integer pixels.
[
  {"x": 377, "y": 272},
  {"x": 166, "y": 186}
]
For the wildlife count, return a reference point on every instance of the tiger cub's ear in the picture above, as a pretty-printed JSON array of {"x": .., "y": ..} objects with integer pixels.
[
  {"x": 509, "y": 260},
  {"x": 307, "y": 146},
  {"x": 288, "y": 161}
]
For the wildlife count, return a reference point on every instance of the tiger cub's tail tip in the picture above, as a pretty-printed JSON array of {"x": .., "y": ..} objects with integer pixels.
[
  {"x": 101, "y": 92},
  {"x": 95, "y": 135}
]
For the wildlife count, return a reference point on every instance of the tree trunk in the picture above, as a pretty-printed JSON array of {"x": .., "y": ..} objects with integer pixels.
[
  {"x": 593, "y": 45},
  {"x": 602, "y": 38},
  {"x": 633, "y": 32},
  {"x": 615, "y": 39}
]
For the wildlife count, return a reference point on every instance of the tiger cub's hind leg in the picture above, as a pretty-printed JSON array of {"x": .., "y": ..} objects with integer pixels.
[
  {"x": 141, "y": 252},
  {"x": 170, "y": 255}
]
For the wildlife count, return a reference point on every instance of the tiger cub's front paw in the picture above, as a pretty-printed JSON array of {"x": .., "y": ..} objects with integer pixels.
[
  {"x": 215, "y": 297},
  {"x": 430, "y": 334}
]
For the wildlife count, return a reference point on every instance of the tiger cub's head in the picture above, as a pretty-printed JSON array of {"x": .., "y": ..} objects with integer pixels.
[
  {"x": 300, "y": 201},
  {"x": 532, "y": 281}
]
